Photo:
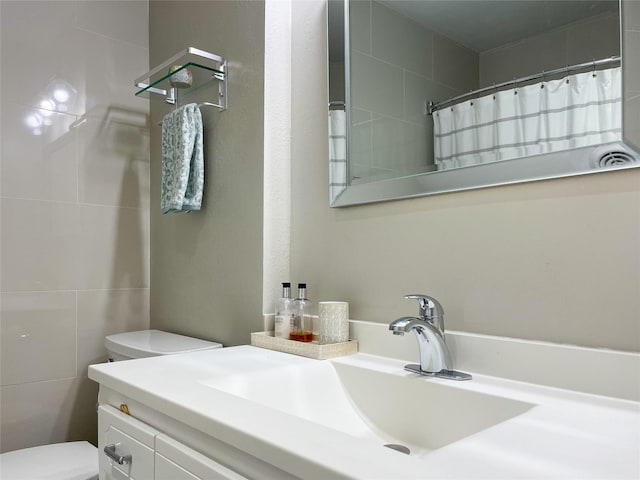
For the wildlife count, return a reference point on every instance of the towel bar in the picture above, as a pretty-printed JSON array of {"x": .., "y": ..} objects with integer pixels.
[{"x": 203, "y": 104}]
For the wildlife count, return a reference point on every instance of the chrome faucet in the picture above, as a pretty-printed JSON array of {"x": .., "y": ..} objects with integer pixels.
[{"x": 435, "y": 359}]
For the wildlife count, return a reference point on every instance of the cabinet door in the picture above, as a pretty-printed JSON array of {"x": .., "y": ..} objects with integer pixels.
[
  {"x": 125, "y": 446},
  {"x": 176, "y": 461}
]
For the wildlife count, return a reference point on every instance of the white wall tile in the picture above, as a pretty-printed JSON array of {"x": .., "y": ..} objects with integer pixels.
[
  {"x": 398, "y": 145},
  {"x": 576, "y": 43},
  {"x": 400, "y": 41},
  {"x": 419, "y": 90},
  {"x": 105, "y": 312},
  {"x": 113, "y": 165},
  {"x": 419, "y": 140},
  {"x": 100, "y": 68},
  {"x": 68, "y": 247},
  {"x": 112, "y": 247},
  {"x": 122, "y": 20},
  {"x": 44, "y": 44},
  {"x": 593, "y": 39},
  {"x": 47, "y": 412},
  {"x": 455, "y": 65},
  {"x": 38, "y": 162},
  {"x": 360, "y": 25},
  {"x": 379, "y": 86},
  {"x": 527, "y": 57},
  {"x": 110, "y": 68},
  {"x": 39, "y": 245},
  {"x": 38, "y": 336}
]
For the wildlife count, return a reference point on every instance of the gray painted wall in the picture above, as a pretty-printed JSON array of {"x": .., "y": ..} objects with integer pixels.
[
  {"x": 555, "y": 260},
  {"x": 206, "y": 266}
]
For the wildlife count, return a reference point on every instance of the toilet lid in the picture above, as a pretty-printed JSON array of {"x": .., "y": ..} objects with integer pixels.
[
  {"x": 70, "y": 461},
  {"x": 150, "y": 343}
]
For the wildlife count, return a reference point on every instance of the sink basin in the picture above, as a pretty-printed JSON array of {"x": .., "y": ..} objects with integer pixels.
[{"x": 420, "y": 413}]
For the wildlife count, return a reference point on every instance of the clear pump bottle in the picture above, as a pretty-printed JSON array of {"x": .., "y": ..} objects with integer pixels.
[
  {"x": 304, "y": 311},
  {"x": 284, "y": 313}
]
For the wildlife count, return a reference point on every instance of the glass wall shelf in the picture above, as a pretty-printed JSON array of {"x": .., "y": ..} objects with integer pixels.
[{"x": 205, "y": 67}]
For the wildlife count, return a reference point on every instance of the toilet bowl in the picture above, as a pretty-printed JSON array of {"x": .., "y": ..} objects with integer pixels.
[{"x": 79, "y": 460}]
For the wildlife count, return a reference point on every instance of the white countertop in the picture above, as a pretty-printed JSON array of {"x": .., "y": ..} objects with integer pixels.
[{"x": 565, "y": 435}]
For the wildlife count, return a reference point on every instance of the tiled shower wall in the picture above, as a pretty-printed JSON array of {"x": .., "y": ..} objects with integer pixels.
[
  {"x": 399, "y": 65},
  {"x": 596, "y": 37},
  {"x": 74, "y": 208}
]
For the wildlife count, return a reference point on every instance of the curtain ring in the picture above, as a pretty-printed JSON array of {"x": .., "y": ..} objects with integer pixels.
[
  {"x": 495, "y": 90},
  {"x": 542, "y": 83},
  {"x": 515, "y": 88},
  {"x": 594, "y": 68},
  {"x": 567, "y": 79}
]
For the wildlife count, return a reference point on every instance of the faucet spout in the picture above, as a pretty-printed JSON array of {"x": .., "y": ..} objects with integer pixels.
[
  {"x": 434, "y": 354},
  {"x": 435, "y": 359},
  {"x": 402, "y": 325}
]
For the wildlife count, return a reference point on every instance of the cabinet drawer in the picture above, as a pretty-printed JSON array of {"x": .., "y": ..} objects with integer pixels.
[
  {"x": 127, "y": 439},
  {"x": 175, "y": 460},
  {"x": 167, "y": 470}
]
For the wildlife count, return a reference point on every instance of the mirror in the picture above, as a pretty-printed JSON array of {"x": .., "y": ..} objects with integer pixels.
[{"x": 432, "y": 96}]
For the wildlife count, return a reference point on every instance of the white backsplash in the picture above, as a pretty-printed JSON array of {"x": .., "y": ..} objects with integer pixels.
[{"x": 588, "y": 370}]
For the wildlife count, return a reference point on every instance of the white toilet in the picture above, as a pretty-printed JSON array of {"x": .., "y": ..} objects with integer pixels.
[
  {"x": 79, "y": 460},
  {"x": 152, "y": 343}
]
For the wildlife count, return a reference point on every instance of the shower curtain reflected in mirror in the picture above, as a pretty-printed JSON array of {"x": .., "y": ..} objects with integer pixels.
[
  {"x": 576, "y": 111},
  {"x": 337, "y": 153}
]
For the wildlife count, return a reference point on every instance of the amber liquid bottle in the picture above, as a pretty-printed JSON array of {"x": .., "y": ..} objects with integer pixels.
[{"x": 302, "y": 330}]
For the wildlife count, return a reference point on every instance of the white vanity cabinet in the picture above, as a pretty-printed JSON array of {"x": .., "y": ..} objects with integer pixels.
[{"x": 137, "y": 451}]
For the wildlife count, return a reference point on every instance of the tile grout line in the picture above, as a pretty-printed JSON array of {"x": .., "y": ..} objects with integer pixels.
[
  {"x": 80, "y": 290},
  {"x": 76, "y": 203}
]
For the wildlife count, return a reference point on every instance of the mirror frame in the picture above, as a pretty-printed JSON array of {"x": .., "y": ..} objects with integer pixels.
[{"x": 580, "y": 161}]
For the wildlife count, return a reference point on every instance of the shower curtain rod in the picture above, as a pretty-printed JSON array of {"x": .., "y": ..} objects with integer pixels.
[{"x": 433, "y": 106}]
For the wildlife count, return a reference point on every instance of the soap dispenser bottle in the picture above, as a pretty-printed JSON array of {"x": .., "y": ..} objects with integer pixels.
[
  {"x": 303, "y": 309},
  {"x": 284, "y": 313}
]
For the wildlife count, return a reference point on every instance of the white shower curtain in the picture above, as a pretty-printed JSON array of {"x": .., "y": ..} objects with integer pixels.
[
  {"x": 576, "y": 111},
  {"x": 337, "y": 153}
]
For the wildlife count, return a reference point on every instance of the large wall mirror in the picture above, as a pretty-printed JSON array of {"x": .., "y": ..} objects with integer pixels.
[{"x": 431, "y": 96}]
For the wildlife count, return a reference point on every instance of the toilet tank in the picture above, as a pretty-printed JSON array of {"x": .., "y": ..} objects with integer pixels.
[{"x": 152, "y": 343}]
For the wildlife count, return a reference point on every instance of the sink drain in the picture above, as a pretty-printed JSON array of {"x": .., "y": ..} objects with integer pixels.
[{"x": 399, "y": 448}]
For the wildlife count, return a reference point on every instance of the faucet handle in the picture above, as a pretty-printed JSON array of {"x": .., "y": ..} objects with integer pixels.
[{"x": 430, "y": 308}]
